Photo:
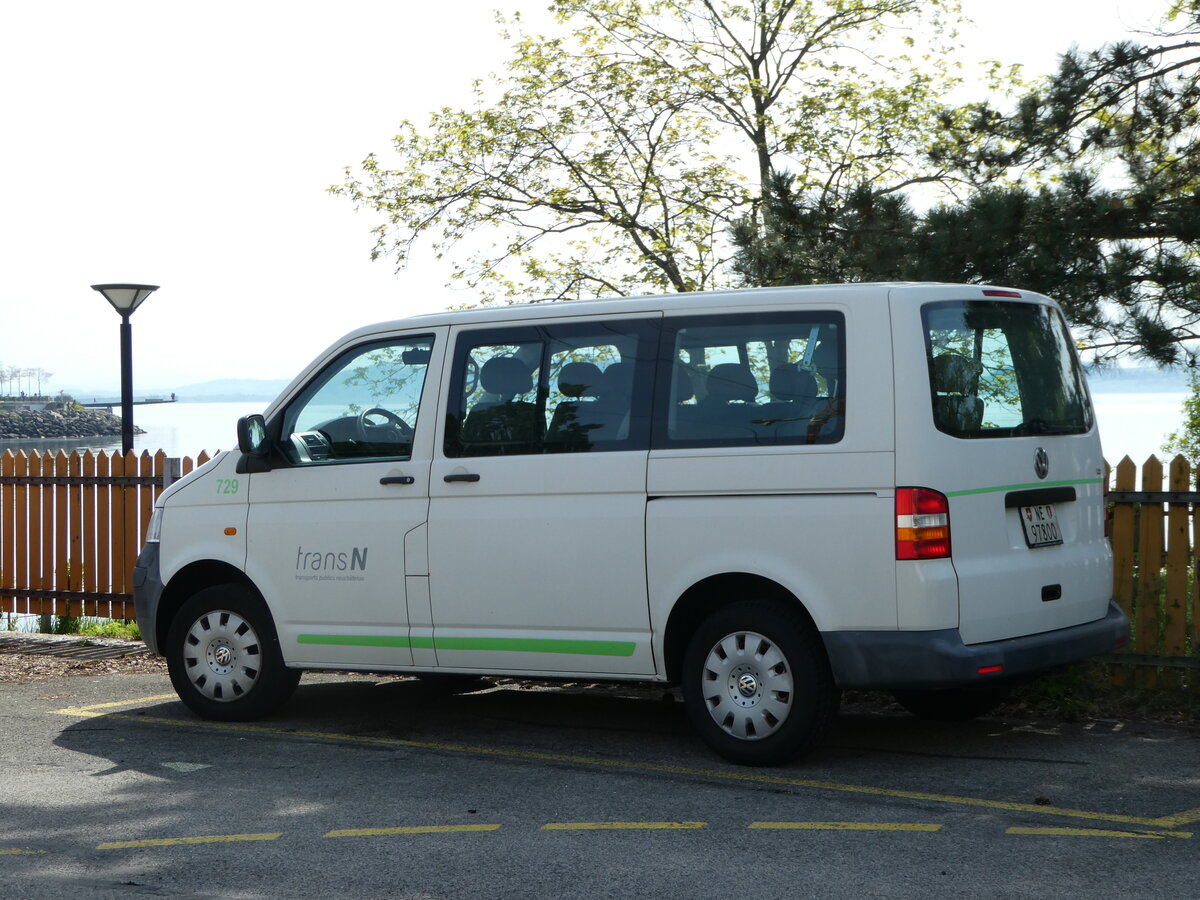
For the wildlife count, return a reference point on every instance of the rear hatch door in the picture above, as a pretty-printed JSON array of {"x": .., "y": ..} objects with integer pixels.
[{"x": 993, "y": 411}]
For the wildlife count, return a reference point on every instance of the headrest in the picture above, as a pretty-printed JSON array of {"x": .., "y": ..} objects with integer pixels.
[
  {"x": 789, "y": 383},
  {"x": 731, "y": 381},
  {"x": 506, "y": 376},
  {"x": 618, "y": 380},
  {"x": 579, "y": 379},
  {"x": 955, "y": 374},
  {"x": 825, "y": 357}
]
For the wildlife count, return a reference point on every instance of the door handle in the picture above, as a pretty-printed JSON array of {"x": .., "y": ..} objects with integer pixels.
[
  {"x": 461, "y": 476},
  {"x": 397, "y": 479}
]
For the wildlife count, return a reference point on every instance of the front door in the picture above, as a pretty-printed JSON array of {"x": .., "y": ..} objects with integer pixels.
[
  {"x": 338, "y": 523},
  {"x": 538, "y": 500}
]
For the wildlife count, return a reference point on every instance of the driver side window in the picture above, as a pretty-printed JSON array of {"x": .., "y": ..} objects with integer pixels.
[{"x": 363, "y": 406}]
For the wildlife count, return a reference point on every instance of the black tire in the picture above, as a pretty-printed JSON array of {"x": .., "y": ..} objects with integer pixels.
[
  {"x": 953, "y": 704},
  {"x": 224, "y": 658},
  {"x": 757, "y": 685}
]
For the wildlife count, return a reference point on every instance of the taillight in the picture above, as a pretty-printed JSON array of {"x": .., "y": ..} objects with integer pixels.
[{"x": 922, "y": 524}]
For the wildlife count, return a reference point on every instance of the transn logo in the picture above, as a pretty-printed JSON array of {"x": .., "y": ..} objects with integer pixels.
[{"x": 355, "y": 560}]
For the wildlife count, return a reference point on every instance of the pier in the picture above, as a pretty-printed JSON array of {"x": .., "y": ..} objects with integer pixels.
[{"x": 111, "y": 404}]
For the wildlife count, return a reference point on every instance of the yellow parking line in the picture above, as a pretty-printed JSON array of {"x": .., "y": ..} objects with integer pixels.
[
  {"x": 848, "y": 826},
  {"x": 410, "y": 829},
  {"x": 1098, "y": 832},
  {"x": 1186, "y": 817},
  {"x": 745, "y": 776},
  {"x": 175, "y": 842},
  {"x": 17, "y": 851},
  {"x": 95, "y": 708},
  {"x": 623, "y": 826}
]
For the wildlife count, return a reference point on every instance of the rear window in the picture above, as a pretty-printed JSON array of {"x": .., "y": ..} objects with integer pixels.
[{"x": 1003, "y": 370}]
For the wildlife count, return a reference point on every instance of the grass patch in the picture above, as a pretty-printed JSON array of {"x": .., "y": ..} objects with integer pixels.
[
  {"x": 113, "y": 628},
  {"x": 93, "y": 627}
]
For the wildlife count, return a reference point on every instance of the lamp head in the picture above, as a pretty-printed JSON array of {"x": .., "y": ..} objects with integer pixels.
[{"x": 125, "y": 298}]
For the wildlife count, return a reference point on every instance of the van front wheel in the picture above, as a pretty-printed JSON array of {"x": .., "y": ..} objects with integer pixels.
[
  {"x": 756, "y": 684},
  {"x": 224, "y": 657}
]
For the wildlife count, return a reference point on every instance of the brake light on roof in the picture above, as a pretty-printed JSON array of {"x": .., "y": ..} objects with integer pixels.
[
  {"x": 993, "y": 292},
  {"x": 922, "y": 524}
]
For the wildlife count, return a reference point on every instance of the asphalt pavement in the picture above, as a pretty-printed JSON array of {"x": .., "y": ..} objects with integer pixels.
[{"x": 386, "y": 787}]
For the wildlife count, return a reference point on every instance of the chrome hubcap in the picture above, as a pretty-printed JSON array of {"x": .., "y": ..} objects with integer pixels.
[
  {"x": 747, "y": 685},
  {"x": 222, "y": 655}
]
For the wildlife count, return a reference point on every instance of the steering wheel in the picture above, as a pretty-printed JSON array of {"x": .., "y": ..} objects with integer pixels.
[{"x": 394, "y": 422}]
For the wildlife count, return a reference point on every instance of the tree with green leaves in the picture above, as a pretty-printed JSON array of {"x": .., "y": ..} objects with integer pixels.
[
  {"x": 1186, "y": 439},
  {"x": 1088, "y": 191},
  {"x": 613, "y": 157}
]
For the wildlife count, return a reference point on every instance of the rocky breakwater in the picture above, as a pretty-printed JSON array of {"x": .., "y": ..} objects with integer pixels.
[{"x": 58, "y": 421}]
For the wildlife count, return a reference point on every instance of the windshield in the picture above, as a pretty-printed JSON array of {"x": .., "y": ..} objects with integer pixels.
[{"x": 1003, "y": 370}]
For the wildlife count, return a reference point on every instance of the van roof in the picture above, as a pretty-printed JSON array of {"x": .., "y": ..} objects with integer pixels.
[{"x": 699, "y": 301}]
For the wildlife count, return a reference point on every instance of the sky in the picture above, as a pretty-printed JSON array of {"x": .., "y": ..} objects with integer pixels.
[{"x": 191, "y": 146}]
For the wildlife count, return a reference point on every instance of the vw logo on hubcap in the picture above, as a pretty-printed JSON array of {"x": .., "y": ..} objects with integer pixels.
[
  {"x": 747, "y": 685},
  {"x": 222, "y": 656}
]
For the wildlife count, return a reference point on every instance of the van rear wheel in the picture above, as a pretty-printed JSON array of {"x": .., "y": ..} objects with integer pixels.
[
  {"x": 224, "y": 658},
  {"x": 953, "y": 704},
  {"x": 757, "y": 685}
]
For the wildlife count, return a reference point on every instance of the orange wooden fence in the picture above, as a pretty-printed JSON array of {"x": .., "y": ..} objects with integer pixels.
[
  {"x": 1155, "y": 530},
  {"x": 71, "y": 527}
]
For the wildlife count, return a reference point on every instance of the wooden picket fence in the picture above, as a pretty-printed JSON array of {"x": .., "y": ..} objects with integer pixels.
[
  {"x": 71, "y": 528},
  {"x": 1155, "y": 534}
]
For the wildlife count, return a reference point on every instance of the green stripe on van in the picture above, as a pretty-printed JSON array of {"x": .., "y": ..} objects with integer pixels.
[
  {"x": 1024, "y": 487},
  {"x": 503, "y": 645},
  {"x": 354, "y": 640},
  {"x": 538, "y": 645}
]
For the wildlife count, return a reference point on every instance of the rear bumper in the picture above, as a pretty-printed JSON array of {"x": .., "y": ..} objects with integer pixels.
[{"x": 939, "y": 659}]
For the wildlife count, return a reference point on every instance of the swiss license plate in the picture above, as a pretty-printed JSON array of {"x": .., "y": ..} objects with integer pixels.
[{"x": 1041, "y": 525}]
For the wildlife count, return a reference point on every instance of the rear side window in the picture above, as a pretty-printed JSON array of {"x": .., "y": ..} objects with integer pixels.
[
  {"x": 752, "y": 380},
  {"x": 1003, "y": 370},
  {"x": 571, "y": 388}
]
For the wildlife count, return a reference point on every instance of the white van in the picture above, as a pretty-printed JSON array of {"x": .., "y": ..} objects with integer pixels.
[{"x": 763, "y": 495}]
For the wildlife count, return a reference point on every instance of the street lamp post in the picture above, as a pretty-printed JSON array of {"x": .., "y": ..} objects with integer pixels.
[{"x": 125, "y": 298}]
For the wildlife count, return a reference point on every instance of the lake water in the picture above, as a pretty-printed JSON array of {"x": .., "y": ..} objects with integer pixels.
[
  {"x": 180, "y": 429},
  {"x": 1133, "y": 425},
  {"x": 1136, "y": 425}
]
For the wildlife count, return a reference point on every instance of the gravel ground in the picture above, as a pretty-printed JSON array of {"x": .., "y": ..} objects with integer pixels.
[{"x": 26, "y": 658}]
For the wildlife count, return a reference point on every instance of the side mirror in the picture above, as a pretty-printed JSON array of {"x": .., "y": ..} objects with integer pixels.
[{"x": 252, "y": 436}]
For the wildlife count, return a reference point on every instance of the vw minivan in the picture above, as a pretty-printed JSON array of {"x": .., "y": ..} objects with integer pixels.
[{"x": 764, "y": 496}]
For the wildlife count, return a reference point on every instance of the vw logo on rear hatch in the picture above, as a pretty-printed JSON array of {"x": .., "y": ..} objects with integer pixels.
[{"x": 1041, "y": 463}]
